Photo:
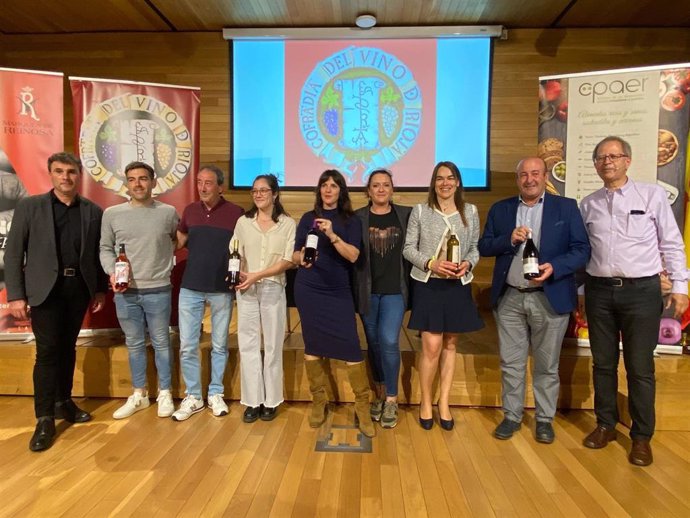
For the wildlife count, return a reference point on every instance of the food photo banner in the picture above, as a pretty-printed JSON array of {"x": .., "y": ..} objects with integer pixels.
[
  {"x": 31, "y": 120},
  {"x": 646, "y": 106}
]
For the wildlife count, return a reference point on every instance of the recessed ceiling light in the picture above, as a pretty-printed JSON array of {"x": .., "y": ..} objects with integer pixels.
[{"x": 365, "y": 21}]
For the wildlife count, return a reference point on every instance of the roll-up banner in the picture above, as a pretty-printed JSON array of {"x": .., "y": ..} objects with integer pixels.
[
  {"x": 648, "y": 107},
  {"x": 118, "y": 122},
  {"x": 31, "y": 129}
]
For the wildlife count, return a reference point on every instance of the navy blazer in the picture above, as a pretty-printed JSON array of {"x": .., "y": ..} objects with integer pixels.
[
  {"x": 31, "y": 262},
  {"x": 563, "y": 243}
]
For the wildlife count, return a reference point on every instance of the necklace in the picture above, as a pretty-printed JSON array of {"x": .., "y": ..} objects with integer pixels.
[{"x": 379, "y": 211}]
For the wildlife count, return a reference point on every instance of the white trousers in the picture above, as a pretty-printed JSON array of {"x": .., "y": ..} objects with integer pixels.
[{"x": 261, "y": 311}]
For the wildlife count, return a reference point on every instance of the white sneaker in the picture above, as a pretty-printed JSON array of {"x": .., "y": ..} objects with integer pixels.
[
  {"x": 189, "y": 406},
  {"x": 217, "y": 405},
  {"x": 165, "y": 403},
  {"x": 135, "y": 402}
]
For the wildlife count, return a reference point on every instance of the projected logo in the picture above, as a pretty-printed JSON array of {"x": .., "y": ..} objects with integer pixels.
[
  {"x": 130, "y": 128},
  {"x": 360, "y": 109}
]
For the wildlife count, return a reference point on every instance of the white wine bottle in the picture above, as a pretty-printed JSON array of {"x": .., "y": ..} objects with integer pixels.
[{"x": 453, "y": 248}]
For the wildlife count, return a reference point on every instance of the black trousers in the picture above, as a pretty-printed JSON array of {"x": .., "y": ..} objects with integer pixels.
[
  {"x": 56, "y": 324},
  {"x": 633, "y": 312}
]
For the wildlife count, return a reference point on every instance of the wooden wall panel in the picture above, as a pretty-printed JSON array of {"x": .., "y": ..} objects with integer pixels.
[{"x": 201, "y": 59}]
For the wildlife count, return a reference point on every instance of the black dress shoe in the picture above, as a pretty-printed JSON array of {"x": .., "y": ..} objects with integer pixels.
[
  {"x": 544, "y": 432},
  {"x": 70, "y": 412},
  {"x": 447, "y": 424},
  {"x": 251, "y": 414},
  {"x": 44, "y": 435},
  {"x": 506, "y": 429},
  {"x": 426, "y": 423},
  {"x": 268, "y": 413}
]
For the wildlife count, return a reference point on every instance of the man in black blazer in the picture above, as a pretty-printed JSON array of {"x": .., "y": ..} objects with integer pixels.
[{"x": 52, "y": 272}]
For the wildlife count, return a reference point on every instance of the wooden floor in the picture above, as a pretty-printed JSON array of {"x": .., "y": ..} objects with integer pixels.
[{"x": 206, "y": 466}]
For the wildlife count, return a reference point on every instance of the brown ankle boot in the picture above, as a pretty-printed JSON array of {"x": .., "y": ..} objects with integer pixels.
[
  {"x": 359, "y": 381},
  {"x": 317, "y": 386}
]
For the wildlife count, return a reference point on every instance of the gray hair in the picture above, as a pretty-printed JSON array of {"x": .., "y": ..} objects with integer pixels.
[{"x": 624, "y": 144}]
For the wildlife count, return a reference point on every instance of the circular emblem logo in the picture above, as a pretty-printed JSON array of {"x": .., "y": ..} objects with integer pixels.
[
  {"x": 130, "y": 128},
  {"x": 360, "y": 110}
]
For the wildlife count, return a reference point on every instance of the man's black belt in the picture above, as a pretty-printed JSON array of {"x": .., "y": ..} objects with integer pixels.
[
  {"x": 69, "y": 272},
  {"x": 526, "y": 290},
  {"x": 618, "y": 282}
]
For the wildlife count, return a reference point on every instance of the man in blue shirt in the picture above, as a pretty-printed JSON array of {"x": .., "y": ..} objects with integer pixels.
[{"x": 533, "y": 313}]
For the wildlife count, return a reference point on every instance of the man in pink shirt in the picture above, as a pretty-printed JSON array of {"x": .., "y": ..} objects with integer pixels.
[{"x": 631, "y": 227}]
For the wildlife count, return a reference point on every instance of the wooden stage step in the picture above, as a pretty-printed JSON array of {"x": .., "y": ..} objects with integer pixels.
[{"x": 103, "y": 371}]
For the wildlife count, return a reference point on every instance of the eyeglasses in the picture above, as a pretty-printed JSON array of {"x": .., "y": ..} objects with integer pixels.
[
  {"x": 260, "y": 192},
  {"x": 600, "y": 159}
]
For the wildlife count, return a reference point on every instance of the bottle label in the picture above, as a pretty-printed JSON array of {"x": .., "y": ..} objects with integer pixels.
[
  {"x": 530, "y": 265},
  {"x": 312, "y": 241},
  {"x": 121, "y": 272},
  {"x": 455, "y": 254},
  {"x": 234, "y": 265}
]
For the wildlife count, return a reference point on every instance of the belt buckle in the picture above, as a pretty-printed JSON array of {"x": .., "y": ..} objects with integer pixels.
[
  {"x": 616, "y": 282},
  {"x": 69, "y": 272}
]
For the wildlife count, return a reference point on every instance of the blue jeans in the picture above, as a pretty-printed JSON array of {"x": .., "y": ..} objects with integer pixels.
[
  {"x": 382, "y": 329},
  {"x": 136, "y": 312},
  {"x": 191, "y": 310}
]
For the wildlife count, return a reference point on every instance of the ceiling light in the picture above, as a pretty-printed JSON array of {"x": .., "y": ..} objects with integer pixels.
[{"x": 365, "y": 21}]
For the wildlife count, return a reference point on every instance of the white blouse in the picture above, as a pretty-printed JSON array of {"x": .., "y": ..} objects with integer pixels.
[{"x": 262, "y": 249}]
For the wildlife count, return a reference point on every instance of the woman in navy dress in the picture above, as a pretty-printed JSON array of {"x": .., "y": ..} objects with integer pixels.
[{"x": 323, "y": 294}]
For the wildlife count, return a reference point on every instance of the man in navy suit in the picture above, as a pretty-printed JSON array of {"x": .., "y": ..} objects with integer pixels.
[
  {"x": 533, "y": 313},
  {"x": 52, "y": 268}
]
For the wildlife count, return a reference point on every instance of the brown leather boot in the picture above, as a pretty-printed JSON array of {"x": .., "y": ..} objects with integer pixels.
[
  {"x": 359, "y": 381},
  {"x": 317, "y": 387}
]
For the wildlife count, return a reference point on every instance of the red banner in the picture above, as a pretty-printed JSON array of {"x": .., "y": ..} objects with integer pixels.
[
  {"x": 118, "y": 122},
  {"x": 31, "y": 129}
]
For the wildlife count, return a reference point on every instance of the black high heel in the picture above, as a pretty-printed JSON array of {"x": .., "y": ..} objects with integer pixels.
[
  {"x": 447, "y": 424},
  {"x": 426, "y": 423}
]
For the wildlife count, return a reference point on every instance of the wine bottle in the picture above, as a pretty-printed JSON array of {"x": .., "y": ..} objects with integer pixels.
[
  {"x": 234, "y": 266},
  {"x": 453, "y": 248},
  {"x": 312, "y": 244},
  {"x": 122, "y": 269},
  {"x": 530, "y": 259}
]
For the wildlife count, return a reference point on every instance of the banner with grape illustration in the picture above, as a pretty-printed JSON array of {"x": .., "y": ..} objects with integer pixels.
[
  {"x": 31, "y": 131},
  {"x": 358, "y": 106},
  {"x": 117, "y": 122},
  {"x": 302, "y": 106}
]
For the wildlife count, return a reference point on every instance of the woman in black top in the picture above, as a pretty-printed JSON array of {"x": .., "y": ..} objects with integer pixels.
[{"x": 382, "y": 287}]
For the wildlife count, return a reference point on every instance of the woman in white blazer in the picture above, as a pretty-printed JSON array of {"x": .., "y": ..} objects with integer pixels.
[{"x": 442, "y": 305}]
